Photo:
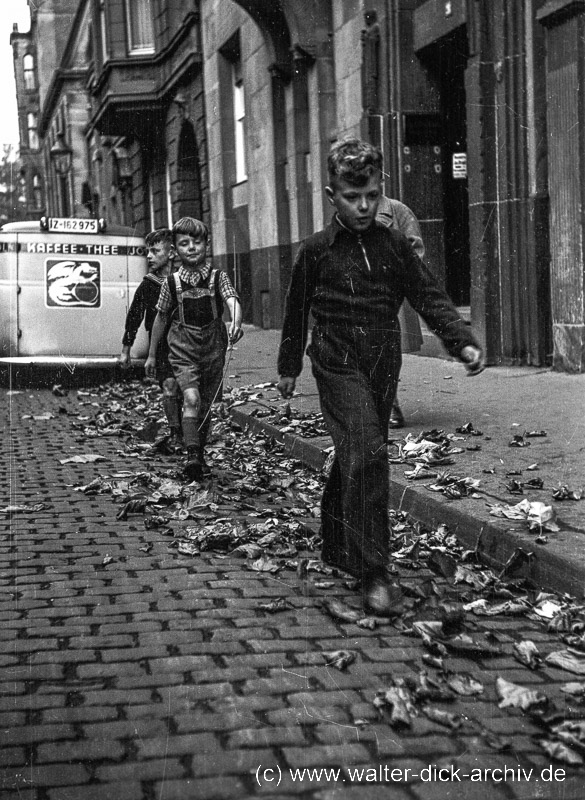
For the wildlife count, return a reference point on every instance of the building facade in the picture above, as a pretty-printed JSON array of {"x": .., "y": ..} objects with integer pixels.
[{"x": 226, "y": 109}]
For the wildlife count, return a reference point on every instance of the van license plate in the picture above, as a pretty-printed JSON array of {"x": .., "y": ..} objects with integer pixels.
[{"x": 69, "y": 225}]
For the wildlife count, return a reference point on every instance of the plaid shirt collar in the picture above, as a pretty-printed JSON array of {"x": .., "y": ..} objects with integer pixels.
[{"x": 195, "y": 276}]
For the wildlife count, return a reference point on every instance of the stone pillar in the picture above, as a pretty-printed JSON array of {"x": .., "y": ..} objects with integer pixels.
[{"x": 564, "y": 21}]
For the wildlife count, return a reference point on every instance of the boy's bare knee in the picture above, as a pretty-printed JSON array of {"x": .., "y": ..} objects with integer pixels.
[{"x": 191, "y": 400}]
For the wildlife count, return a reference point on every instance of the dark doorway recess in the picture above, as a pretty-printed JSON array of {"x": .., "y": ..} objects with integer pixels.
[
  {"x": 446, "y": 60},
  {"x": 189, "y": 175}
]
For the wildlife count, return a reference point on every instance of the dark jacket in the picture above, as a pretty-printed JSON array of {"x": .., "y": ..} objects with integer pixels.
[
  {"x": 351, "y": 282},
  {"x": 143, "y": 307}
]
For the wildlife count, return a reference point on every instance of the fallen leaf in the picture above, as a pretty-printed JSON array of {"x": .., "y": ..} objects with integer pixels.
[
  {"x": 278, "y": 604},
  {"x": 340, "y": 659},
  {"x": 569, "y": 660},
  {"x": 446, "y": 718},
  {"x": 526, "y": 652},
  {"x": 560, "y": 752},
  {"x": 89, "y": 458},
  {"x": 265, "y": 564},
  {"x": 465, "y": 684},
  {"x": 512, "y": 695}
]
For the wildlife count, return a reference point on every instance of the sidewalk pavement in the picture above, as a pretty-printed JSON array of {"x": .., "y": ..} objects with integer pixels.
[{"x": 436, "y": 393}]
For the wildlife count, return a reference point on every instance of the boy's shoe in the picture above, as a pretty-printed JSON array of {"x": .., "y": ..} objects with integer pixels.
[
  {"x": 382, "y": 597},
  {"x": 396, "y": 417},
  {"x": 205, "y": 468},
  {"x": 175, "y": 440},
  {"x": 193, "y": 469}
]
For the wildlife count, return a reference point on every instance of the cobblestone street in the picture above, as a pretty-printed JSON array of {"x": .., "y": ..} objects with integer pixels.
[{"x": 133, "y": 670}]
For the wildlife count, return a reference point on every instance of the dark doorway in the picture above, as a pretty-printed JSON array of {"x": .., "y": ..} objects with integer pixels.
[
  {"x": 190, "y": 199},
  {"x": 446, "y": 60}
]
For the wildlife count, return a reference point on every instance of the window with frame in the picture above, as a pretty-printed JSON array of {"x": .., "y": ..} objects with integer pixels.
[
  {"x": 37, "y": 192},
  {"x": 28, "y": 65},
  {"x": 140, "y": 27},
  {"x": 239, "y": 122},
  {"x": 104, "y": 31},
  {"x": 32, "y": 131}
]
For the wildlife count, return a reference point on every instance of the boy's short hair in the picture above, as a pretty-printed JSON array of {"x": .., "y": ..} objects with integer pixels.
[
  {"x": 160, "y": 235},
  {"x": 354, "y": 161},
  {"x": 190, "y": 226}
]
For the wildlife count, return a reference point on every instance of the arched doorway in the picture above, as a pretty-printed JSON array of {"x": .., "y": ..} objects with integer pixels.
[{"x": 189, "y": 174}]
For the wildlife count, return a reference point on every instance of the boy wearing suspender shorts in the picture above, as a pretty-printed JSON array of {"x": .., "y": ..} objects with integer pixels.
[{"x": 191, "y": 302}]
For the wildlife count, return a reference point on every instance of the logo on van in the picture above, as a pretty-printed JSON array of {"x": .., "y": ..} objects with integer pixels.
[{"x": 73, "y": 283}]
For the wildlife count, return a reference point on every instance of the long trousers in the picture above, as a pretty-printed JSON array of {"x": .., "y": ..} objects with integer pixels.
[{"x": 356, "y": 377}]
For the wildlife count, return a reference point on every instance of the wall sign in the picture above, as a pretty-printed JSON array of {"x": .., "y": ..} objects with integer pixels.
[{"x": 459, "y": 165}]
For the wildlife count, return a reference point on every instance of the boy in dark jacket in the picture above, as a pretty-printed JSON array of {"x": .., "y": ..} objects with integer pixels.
[
  {"x": 354, "y": 276},
  {"x": 159, "y": 245},
  {"x": 190, "y": 306}
]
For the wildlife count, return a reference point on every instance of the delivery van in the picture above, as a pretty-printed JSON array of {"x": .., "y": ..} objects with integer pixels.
[{"x": 65, "y": 288}]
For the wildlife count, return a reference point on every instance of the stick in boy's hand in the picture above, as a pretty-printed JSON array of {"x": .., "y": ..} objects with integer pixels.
[{"x": 473, "y": 359}]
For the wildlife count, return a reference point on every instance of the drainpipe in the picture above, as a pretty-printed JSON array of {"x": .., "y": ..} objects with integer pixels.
[{"x": 395, "y": 77}]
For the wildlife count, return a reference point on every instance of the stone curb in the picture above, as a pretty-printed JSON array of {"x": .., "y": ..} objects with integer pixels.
[{"x": 493, "y": 538}]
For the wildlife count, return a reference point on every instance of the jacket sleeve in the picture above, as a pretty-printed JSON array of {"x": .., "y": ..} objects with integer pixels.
[
  {"x": 296, "y": 314},
  {"x": 135, "y": 316},
  {"x": 407, "y": 222},
  {"x": 430, "y": 300}
]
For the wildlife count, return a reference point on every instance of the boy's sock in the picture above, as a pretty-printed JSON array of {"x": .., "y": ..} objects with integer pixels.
[
  {"x": 191, "y": 432},
  {"x": 171, "y": 409}
]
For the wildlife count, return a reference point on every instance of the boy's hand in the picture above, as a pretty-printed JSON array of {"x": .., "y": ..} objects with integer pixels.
[
  {"x": 150, "y": 367},
  {"x": 473, "y": 359},
  {"x": 286, "y": 386},
  {"x": 235, "y": 333},
  {"x": 124, "y": 360}
]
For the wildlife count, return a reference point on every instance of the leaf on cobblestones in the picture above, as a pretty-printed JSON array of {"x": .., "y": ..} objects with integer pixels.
[
  {"x": 107, "y": 559},
  {"x": 569, "y": 660},
  {"x": 156, "y": 521},
  {"x": 249, "y": 550},
  {"x": 526, "y": 652},
  {"x": 564, "y": 493},
  {"x": 465, "y": 684},
  {"x": 264, "y": 564},
  {"x": 396, "y": 705},
  {"x": 467, "y": 644},
  {"x": 88, "y": 458},
  {"x": 572, "y": 733},
  {"x": 131, "y": 507},
  {"x": 478, "y": 579},
  {"x": 518, "y": 441},
  {"x": 340, "y": 659},
  {"x": 23, "y": 509},
  {"x": 188, "y": 548},
  {"x": 575, "y": 689},
  {"x": 147, "y": 548},
  {"x": 430, "y": 690},
  {"x": 511, "y": 695},
  {"x": 560, "y": 752},
  {"x": 550, "y": 609},
  {"x": 278, "y": 604},
  {"x": 433, "y": 661},
  {"x": 445, "y": 718},
  {"x": 509, "y": 608}
]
